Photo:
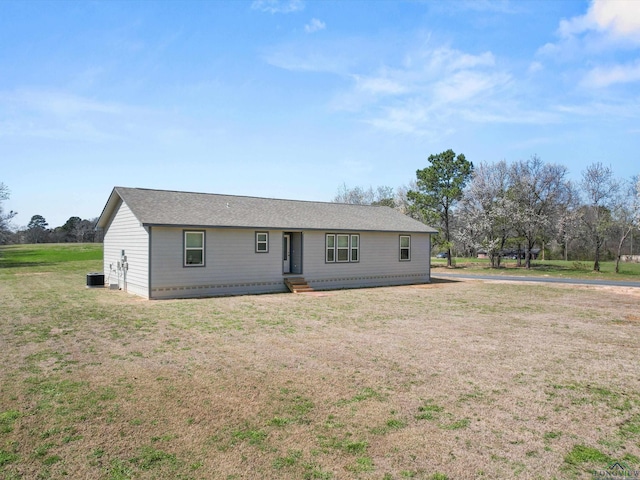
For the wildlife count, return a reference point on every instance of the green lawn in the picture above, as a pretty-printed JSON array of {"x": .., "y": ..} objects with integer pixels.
[{"x": 54, "y": 255}]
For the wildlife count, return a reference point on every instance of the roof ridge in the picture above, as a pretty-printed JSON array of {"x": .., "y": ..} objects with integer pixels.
[{"x": 324, "y": 202}]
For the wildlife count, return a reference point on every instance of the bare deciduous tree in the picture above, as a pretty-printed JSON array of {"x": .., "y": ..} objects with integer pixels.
[
  {"x": 568, "y": 221},
  {"x": 626, "y": 215},
  {"x": 599, "y": 189},
  {"x": 381, "y": 195},
  {"x": 5, "y": 218}
]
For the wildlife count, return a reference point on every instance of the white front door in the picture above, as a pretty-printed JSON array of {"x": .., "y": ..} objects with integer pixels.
[{"x": 286, "y": 253}]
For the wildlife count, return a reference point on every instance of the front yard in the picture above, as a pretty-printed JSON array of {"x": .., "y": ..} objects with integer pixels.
[{"x": 449, "y": 380}]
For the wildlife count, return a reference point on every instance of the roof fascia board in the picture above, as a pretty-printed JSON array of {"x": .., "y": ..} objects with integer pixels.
[
  {"x": 107, "y": 212},
  {"x": 284, "y": 229}
]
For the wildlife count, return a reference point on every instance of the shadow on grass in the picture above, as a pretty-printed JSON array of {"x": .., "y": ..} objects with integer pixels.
[
  {"x": 22, "y": 258},
  {"x": 443, "y": 280},
  {"x": 9, "y": 264},
  {"x": 552, "y": 268},
  {"x": 512, "y": 266}
]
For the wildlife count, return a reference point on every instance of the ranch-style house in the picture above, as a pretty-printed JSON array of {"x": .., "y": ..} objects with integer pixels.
[{"x": 167, "y": 244}]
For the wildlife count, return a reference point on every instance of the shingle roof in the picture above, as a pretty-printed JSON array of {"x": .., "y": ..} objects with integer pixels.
[{"x": 164, "y": 207}]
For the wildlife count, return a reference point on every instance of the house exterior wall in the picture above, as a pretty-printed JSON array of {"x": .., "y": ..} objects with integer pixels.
[
  {"x": 125, "y": 233},
  {"x": 232, "y": 265},
  {"x": 379, "y": 263}
]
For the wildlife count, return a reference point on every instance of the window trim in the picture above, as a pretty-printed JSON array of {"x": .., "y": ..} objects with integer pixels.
[
  {"x": 407, "y": 248},
  {"x": 185, "y": 249},
  {"x": 328, "y": 249},
  {"x": 356, "y": 248},
  {"x": 264, "y": 242},
  {"x": 332, "y": 251},
  {"x": 340, "y": 249}
]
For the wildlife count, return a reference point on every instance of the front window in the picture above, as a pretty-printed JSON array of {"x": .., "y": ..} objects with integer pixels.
[
  {"x": 262, "y": 242},
  {"x": 355, "y": 248},
  {"x": 194, "y": 249},
  {"x": 342, "y": 248},
  {"x": 331, "y": 248},
  {"x": 405, "y": 248}
]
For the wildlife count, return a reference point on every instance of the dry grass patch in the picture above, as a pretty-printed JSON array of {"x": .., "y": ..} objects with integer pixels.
[{"x": 451, "y": 380}]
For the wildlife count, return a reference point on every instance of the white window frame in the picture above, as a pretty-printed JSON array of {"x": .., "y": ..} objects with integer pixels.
[
  {"x": 187, "y": 249},
  {"x": 340, "y": 249},
  {"x": 262, "y": 242},
  {"x": 354, "y": 248},
  {"x": 407, "y": 248},
  {"x": 332, "y": 249}
]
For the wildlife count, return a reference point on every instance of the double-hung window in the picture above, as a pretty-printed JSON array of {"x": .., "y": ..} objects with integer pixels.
[
  {"x": 193, "y": 249},
  {"x": 405, "y": 248},
  {"x": 262, "y": 242},
  {"x": 331, "y": 248},
  {"x": 342, "y": 248},
  {"x": 355, "y": 248}
]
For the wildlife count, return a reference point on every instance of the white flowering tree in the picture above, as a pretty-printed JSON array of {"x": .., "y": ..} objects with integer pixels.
[
  {"x": 486, "y": 212},
  {"x": 626, "y": 215},
  {"x": 538, "y": 190}
]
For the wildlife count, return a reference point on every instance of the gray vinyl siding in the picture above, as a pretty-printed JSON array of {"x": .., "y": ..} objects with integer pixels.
[
  {"x": 379, "y": 262},
  {"x": 125, "y": 233},
  {"x": 232, "y": 265}
]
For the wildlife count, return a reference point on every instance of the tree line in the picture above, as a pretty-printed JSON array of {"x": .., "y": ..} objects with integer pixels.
[
  {"x": 37, "y": 230},
  {"x": 498, "y": 209},
  {"x": 75, "y": 229},
  {"x": 522, "y": 209}
]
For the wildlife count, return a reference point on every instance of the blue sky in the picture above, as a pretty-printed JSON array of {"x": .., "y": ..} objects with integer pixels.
[{"x": 293, "y": 98}]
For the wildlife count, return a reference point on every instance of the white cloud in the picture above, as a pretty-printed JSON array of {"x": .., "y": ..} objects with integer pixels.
[
  {"x": 603, "y": 38},
  {"x": 312, "y": 62},
  {"x": 497, "y": 111},
  {"x": 278, "y": 6},
  {"x": 604, "y": 76},
  {"x": 625, "y": 108},
  {"x": 607, "y": 25},
  {"x": 466, "y": 85},
  {"x": 535, "y": 67},
  {"x": 451, "y": 60},
  {"x": 58, "y": 103},
  {"x": 327, "y": 56},
  {"x": 430, "y": 84},
  {"x": 379, "y": 85},
  {"x": 421, "y": 91},
  {"x": 423, "y": 71},
  {"x": 314, "y": 25},
  {"x": 411, "y": 118},
  {"x": 58, "y": 115},
  {"x": 619, "y": 18}
]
